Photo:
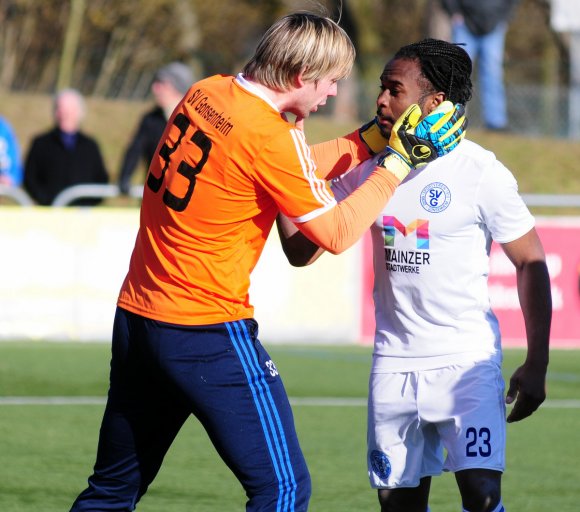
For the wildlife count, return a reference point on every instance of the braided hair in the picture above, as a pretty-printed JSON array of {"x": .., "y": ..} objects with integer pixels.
[{"x": 446, "y": 66}]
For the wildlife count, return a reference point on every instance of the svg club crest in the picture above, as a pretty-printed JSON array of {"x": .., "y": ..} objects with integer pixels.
[
  {"x": 435, "y": 197},
  {"x": 380, "y": 464}
]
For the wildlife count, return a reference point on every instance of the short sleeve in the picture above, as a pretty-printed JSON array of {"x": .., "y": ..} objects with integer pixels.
[
  {"x": 286, "y": 170},
  {"x": 501, "y": 207}
]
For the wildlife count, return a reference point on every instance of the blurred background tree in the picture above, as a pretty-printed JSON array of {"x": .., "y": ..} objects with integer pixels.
[{"x": 111, "y": 49}]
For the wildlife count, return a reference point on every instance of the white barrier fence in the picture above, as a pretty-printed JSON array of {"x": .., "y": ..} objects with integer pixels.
[
  {"x": 61, "y": 269},
  {"x": 70, "y": 194}
]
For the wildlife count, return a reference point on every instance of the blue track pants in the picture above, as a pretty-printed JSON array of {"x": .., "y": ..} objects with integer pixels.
[{"x": 160, "y": 374}]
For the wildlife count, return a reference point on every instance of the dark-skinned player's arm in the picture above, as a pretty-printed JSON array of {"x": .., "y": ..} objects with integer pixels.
[
  {"x": 299, "y": 250},
  {"x": 527, "y": 386}
]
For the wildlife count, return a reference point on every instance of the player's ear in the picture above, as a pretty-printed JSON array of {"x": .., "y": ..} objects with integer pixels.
[
  {"x": 434, "y": 101},
  {"x": 299, "y": 79}
]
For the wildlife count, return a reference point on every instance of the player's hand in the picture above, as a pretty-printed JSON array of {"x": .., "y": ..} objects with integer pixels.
[
  {"x": 444, "y": 128},
  {"x": 527, "y": 390},
  {"x": 370, "y": 133},
  {"x": 416, "y": 143}
]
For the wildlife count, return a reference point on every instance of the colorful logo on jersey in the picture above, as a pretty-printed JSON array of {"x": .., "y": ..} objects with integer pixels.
[
  {"x": 380, "y": 464},
  {"x": 391, "y": 225},
  {"x": 435, "y": 197}
]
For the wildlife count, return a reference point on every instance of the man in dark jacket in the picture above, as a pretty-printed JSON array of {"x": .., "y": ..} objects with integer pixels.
[
  {"x": 64, "y": 156},
  {"x": 482, "y": 26},
  {"x": 169, "y": 85}
]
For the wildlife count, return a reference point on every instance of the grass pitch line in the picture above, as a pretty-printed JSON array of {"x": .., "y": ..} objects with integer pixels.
[
  {"x": 297, "y": 401},
  {"x": 52, "y": 400}
]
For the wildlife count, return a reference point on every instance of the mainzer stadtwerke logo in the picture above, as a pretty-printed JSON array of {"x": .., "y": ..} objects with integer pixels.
[{"x": 435, "y": 197}]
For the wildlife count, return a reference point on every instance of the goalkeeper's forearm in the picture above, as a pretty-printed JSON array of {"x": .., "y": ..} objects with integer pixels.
[
  {"x": 335, "y": 157},
  {"x": 339, "y": 228}
]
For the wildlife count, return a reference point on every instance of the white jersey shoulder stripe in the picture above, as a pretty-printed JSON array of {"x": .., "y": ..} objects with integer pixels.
[
  {"x": 317, "y": 185},
  {"x": 313, "y": 214}
]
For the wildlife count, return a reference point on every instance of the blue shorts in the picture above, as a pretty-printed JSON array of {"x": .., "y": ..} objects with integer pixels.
[{"x": 160, "y": 374}]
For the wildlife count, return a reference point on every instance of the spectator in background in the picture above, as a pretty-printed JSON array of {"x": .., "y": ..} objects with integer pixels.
[
  {"x": 169, "y": 85},
  {"x": 64, "y": 156},
  {"x": 10, "y": 164},
  {"x": 482, "y": 26}
]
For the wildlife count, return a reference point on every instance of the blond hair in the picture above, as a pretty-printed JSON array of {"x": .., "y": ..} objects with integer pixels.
[{"x": 301, "y": 43}]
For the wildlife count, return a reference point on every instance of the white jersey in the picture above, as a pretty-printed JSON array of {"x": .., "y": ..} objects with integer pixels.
[{"x": 431, "y": 247}]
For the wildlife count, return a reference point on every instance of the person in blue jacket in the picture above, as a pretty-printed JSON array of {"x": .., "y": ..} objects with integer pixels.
[
  {"x": 481, "y": 26},
  {"x": 10, "y": 161}
]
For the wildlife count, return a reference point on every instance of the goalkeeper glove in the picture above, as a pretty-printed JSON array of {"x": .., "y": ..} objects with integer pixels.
[
  {"x": 444, "y": 128},
  {"x": 372, "y": 136},
  {"x": 414, "y": 144}
]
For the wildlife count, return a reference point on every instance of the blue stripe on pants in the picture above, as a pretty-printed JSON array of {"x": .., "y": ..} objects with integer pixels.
[
  {"x": 161, "y": 374},
  {"x": 269, "y": 417}
]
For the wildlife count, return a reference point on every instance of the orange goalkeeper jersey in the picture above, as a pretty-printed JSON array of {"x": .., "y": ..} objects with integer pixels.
[{"x": 227, "y": 162}]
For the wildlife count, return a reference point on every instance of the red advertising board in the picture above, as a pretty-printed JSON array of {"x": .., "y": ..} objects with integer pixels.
[{"x": 561, "y": 239}]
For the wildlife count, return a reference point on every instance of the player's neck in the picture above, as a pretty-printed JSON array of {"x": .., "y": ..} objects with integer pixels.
[{"x": 282, "y": 99}]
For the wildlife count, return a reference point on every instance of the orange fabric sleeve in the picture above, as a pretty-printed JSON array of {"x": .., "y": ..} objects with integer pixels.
[
  {"x": 337, "y": 156},
  {"x": 339, "y": 228}
]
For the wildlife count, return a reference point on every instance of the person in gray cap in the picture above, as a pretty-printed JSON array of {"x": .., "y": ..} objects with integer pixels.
[{"x": 169, "y": 85}]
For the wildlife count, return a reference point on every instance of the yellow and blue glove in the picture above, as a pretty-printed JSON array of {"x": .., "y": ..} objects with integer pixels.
[
  {"x": 414, "y": 143},
  {"x": 370, "y": 133},
  {"x": 444, "y": 128}
]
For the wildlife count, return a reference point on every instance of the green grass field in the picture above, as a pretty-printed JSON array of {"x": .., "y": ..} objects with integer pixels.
[{"x": 47, "y": 449}]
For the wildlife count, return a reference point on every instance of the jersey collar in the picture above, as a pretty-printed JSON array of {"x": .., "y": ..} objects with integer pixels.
[{"x": 242, "y": 82}]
